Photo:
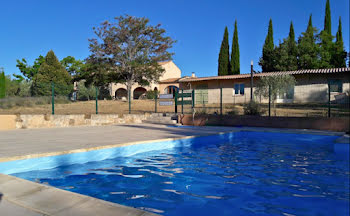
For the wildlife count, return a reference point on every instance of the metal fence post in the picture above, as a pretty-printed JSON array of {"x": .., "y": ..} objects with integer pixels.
[
  {"x": 193, "y": 98},
  {"x": 175, "y": 102},
  {"x": 329, "y": 100},
  {"x": 182, "y": 101},
  {"x": 155, "y": 101},
  {"x": 53, "y": 98},
  {"x": 96, "y": 99},
  {"x": 220, "y": 100},
  {"x": 129, "y": 96},
  {"x": 269, "y": 101}
]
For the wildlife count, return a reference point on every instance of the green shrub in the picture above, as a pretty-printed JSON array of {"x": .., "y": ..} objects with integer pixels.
[
  {"x": 2, "y": 85},
  {"x": 151, "y": 94},
  {"x": 61, "y": 100},
  {"x": 233, "y": 112},
  {"x": 10, "y": 102},
  {"x": 252, "y": 108}
]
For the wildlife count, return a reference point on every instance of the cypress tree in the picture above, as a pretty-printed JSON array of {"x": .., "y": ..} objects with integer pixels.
[
  {"x": 51, "y": 70},
  {"x": 326, "y": 41},
  {"x": 267, "y": 60},
  {"x": 307, "y": 48},
  {"x": 235, "y": 64},
  {"x": 2, "y": 85},
  {"x": 327, "y": 19},
  {"x": 224, "y": 56},
  {"x": 285, "y": 55},
  {"x": 291, "y": 35},
  {"x": 340, "y": 54},
  {"x": 292, "y": 49},
  {"x": 269, "y": 37}
]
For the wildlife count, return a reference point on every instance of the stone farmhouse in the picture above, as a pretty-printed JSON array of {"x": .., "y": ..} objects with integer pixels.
[
  {"x": 311, "y": 86},
  {"x": 167, "y": 84}
]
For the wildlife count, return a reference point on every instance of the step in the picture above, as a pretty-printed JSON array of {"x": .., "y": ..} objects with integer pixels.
[
  {"x": 162, "y": 114},
  {"x": 163, "y": 122}
]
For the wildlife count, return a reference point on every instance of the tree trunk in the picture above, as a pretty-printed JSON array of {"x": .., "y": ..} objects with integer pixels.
[{"x": 128, "y": 86}]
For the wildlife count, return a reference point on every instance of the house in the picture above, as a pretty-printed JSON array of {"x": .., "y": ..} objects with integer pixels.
[
  {"x": 167, "y": 83},
  {"x": 311, "y": 86}
]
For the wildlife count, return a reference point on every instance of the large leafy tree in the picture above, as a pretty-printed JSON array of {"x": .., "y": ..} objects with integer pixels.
[
  {"x": 235, "y": 66},
  {"x": 51, "y": 70},
  {"x": 73, "y": 66},
  {"x": 224, "y": 56},
  {"x": 128, "y": 51},
  {"x": 307, "y": 48},
  {"x": 267, "y": 60},
  {"x": 339, "y": 56},
  {"x": 29, "y": 71}
]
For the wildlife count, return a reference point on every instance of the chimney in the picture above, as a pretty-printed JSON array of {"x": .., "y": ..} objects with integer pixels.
[{"x": 193, "y": 75}]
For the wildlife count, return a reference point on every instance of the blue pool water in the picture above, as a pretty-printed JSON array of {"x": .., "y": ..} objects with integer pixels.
[{"x": 246, "y": 173}]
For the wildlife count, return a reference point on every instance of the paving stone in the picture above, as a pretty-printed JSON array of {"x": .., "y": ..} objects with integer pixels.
[{"x": 10, "y": 209}]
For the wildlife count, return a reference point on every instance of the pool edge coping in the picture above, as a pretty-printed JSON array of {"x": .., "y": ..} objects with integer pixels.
[
  {"x": 39, "y": 198},
  {"x": 240, "y": 129},
  {"x": 48, "y": 154}
]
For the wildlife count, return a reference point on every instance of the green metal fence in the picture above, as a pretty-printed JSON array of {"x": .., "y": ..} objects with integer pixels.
[{"x": 57, "y": 98}]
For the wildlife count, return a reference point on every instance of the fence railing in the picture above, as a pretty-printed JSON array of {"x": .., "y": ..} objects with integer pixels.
[{"x": 56, "y": 98}]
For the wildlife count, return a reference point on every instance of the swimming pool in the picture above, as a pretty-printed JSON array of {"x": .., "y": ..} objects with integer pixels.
[{"x": 243, "y": 173}]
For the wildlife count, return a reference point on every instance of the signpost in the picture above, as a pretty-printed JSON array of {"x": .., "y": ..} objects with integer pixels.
[
  {"x": 166, "y": 96},
  {"x": 165, "y": 103},
  {"x": 185, "y": 97}
]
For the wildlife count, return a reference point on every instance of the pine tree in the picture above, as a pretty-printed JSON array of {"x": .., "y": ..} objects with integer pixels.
[
  {"x": 51, "y": 70},
  {"x": 267, "y": 60},
  {"x": 224, "y": 56},
  {"x": 2, "y": 85},
  {"x": 339, "y": 56},
  {"x": 235, "y": 64},
  {"x": 326, "y": 41},
  {"x": 307, "y": 48}
]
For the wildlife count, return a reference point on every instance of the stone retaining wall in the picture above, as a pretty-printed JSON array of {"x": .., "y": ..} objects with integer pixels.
[{"x": 8, "y": 122}]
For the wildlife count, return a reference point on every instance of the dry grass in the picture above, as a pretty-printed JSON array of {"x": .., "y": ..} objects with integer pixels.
[
  {"x": 148, "y": 106},
  {"x": 89, "y": 107}
]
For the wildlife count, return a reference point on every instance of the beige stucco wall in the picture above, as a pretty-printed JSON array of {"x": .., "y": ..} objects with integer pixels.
[
  {"x": 163, "y": 86},
  {"x": 227, "y": 86},
  {"x": 309, "y": 88},
  {"x": 171, "y": 71}
]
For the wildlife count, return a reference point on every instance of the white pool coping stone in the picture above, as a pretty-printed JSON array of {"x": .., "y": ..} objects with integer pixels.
[{"x": 51, "y": 201}]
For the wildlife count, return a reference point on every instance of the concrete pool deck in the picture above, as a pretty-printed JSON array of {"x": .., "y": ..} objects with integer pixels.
[{"x": 22, "y": 197}]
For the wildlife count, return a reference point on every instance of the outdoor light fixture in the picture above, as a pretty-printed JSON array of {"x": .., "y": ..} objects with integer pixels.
[{"x": 251, "y": 80}]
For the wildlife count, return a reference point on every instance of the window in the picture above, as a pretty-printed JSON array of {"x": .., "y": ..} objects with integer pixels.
[
  {"x": 201, "y": 94},
  {"x": 239, "y": 89},
  {"x": 336, "y": 85}
]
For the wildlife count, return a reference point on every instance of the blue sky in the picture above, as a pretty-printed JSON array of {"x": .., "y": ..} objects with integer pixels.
[{"x": 31, "y": 28}]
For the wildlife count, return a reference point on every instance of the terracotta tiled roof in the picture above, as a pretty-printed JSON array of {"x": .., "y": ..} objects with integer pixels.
[
  {"x": 170, "y": 80},
  {"x": 240, "y": 76}
]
